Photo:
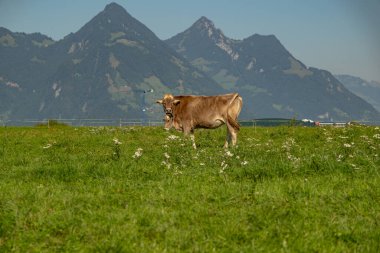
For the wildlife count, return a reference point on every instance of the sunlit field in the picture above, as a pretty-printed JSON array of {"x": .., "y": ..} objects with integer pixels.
[{"x": 142, "y": 189}]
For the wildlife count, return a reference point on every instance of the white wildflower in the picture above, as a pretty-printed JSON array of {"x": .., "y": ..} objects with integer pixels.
[
  {"x": 288, "y": 144},
  {"x": 228, "y": 153},
  {"x": 244, "y": 163},
  {"x": 47, "y": 146},
  {"x": 116, "y": 141},
  {"x": 138, "y": 153},
  {"x": 173, "y": 137},
  {"x": 167, "y": 164},
  {"x": 355, "y": 167},
  {"x": 177, "y": 172},
  {"x": 167, "y": 156},
  {"x": 347, "y": 145},
  {"x": 339, "y": 159},
  {"x": 376, "y": 136},
  {"x": 202, "y": 164},
  {"x": 295, "y": 160},
  {"x": 224, "y": 166}
]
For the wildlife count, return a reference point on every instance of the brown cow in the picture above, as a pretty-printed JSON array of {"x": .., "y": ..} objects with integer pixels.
[{"x": 186, "y": 113}]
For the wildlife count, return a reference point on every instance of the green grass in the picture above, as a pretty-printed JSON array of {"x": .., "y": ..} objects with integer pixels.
[{"x": 283, "y": 189}]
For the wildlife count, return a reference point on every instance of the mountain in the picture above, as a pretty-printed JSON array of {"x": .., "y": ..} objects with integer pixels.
[
  {"x": 110, "y": 66},
  {"x": 367, "y": 90},
  {"x": 107, "y": 69},
  {"x": 272, "y": 82}
]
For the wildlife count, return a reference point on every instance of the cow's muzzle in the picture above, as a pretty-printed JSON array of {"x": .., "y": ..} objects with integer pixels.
[{"x": 169, "y": 111}]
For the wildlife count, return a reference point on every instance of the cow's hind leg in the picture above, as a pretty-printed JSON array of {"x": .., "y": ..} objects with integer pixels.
[
  {"x": 231, "y": 135},
  {"x": 232, "y": 115},
  {"x": 234, "y": 136},
  {"x": 228, "y": 137}
]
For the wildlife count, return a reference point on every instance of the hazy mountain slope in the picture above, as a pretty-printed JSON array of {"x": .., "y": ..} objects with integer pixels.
[{"x": 369, "y": 91}]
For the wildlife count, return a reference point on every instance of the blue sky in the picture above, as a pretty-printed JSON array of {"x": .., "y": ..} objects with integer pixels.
[{"x": 342, "y": 36}]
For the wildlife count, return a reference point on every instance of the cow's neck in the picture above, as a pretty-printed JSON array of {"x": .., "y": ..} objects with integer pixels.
[{"x": 176, "y": 119}]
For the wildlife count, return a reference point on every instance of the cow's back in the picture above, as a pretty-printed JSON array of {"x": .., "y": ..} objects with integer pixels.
[
  {"x": 201, "y": 105},
  {"x": 202, "y": 111}
]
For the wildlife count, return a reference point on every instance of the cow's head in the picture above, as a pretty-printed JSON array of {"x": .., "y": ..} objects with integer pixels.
[{"x": 168, "y": 102}]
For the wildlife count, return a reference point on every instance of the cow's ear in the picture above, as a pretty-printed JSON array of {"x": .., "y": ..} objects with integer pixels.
[
  {"x": 159, "y": 101},
  {"x": 176, "y": 102}
]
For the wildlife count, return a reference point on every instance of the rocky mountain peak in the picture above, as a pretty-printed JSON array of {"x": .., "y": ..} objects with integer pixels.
[
  {"x": 114, "y": 8},
  {"x": 112, "y": 24},
  {"x": 204, "y": 24},
  {"x": 206, "y": 27},
  {"x": 207, "y": 30}
]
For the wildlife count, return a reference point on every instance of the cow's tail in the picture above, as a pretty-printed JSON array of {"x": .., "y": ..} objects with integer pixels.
[
  {"x": 233, "y": 123},
  {"x": 233, "y": 111}
]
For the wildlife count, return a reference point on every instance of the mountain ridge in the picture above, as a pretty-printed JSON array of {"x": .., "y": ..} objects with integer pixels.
[
  {"x": 102, "y": 70},
  {"x": 270, "y": 78}
]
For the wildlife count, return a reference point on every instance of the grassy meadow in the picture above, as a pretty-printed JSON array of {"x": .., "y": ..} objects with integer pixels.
[{"x": 142, "y": 189}]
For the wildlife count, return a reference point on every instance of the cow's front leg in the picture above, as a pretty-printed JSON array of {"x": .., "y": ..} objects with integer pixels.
[{"x": 192, "y": 137}]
